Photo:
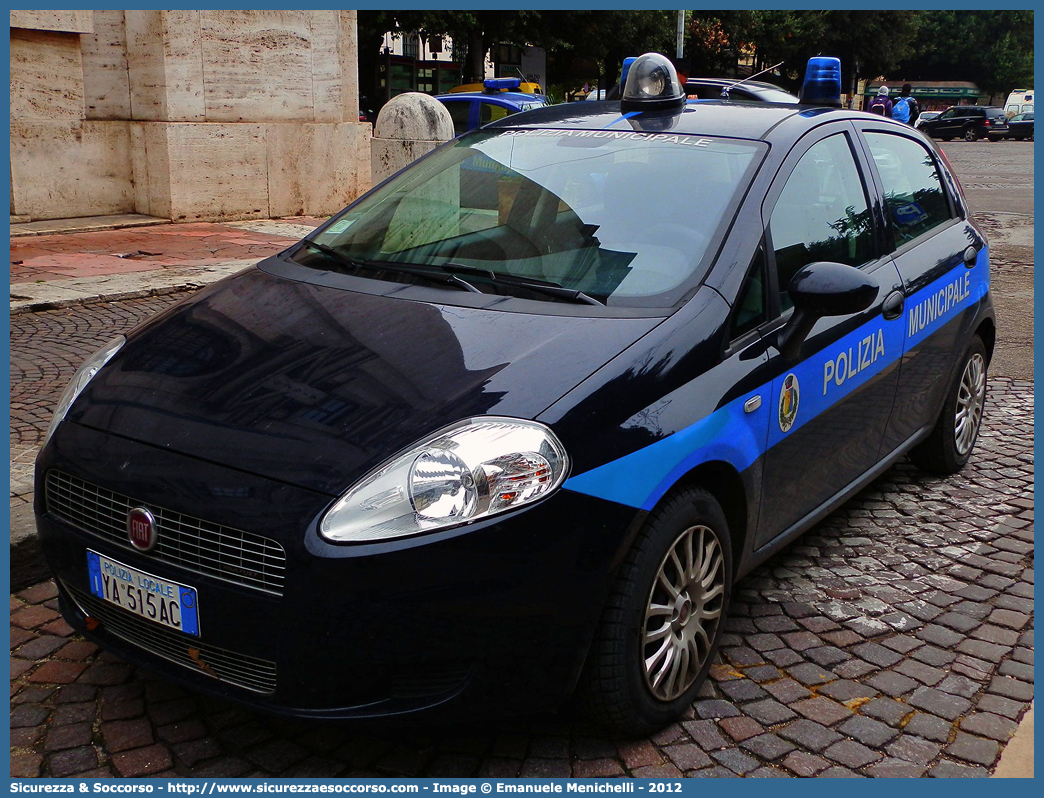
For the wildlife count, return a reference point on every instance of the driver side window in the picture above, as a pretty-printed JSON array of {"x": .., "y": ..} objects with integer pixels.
[{"x": 822, "y": 214}]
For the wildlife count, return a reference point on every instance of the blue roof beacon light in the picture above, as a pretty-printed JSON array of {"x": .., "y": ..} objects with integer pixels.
[
  {"x": 652, "y": 85},
  {"x": 822, "y": 84},
  {"x": 493, "y": 85},
  {"x": 625, "y": 69}
]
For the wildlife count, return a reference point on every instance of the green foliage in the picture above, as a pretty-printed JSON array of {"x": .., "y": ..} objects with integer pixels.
[{"x": 992, "y": 48}]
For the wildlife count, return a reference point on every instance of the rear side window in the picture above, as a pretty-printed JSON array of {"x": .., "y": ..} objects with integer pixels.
[
  {"x": 914, "y": 195},
  {"x": 822, "y": 214},
  {"x": 458, "y": 111},
  {"x": 488, "y": 112}
]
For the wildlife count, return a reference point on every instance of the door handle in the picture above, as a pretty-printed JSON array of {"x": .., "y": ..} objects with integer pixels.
[
  {"x": 893, "y": 305},
  {"x": 970, "y": 256}
]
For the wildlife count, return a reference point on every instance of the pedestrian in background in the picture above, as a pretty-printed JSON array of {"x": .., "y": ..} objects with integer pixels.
[
  {"x": 881, "y": 105},
  {"x": 905, "y": 108}
]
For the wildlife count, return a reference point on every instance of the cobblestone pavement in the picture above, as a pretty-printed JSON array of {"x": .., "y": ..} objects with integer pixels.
[
  {"x": 48, "y": 347},
  {"x": 894, "y": 639}
]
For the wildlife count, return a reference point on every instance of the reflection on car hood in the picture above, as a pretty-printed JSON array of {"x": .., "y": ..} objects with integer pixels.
[{"x": 315, "y": 386}]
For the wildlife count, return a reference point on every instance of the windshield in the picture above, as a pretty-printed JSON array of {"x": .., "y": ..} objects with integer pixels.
[{"x": 623, "y": 216}]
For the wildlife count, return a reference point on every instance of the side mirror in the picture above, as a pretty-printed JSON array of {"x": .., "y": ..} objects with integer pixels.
[{"x": 823, "y": 289}]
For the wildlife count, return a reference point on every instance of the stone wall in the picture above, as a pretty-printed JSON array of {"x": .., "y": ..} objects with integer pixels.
[{"x": 187, "y": 115}]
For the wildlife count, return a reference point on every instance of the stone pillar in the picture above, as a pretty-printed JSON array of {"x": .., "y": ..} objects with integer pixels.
[
  {"x": 187, "y": 115},
  {"x": 63, "y": 163},
  {"x": 245, "y": 114}
]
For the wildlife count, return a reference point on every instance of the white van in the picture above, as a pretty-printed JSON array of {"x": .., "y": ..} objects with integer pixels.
[{"x": 1020, "y": 101}]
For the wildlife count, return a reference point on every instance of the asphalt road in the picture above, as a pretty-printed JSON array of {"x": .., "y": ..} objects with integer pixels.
[{"x": 998, "y": 180}]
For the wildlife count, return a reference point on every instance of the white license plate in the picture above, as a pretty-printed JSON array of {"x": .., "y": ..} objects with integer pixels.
[{"x": 158, "y": 600}]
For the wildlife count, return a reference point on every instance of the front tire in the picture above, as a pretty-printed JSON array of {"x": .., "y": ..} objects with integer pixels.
[
  {"x": 949, "y": 446},
  {"x": 664, "y": 618}
]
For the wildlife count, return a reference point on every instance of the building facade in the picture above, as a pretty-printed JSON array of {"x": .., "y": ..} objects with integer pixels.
[{"x": 185, "y": 115}]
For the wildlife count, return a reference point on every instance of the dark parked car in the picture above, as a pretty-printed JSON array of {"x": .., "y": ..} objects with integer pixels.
[
  {"x": 749, "y": 91},
  {"x": 727, "y": 88},
  {"x": 515, "y": 422},
  {"x": 970, "y": 122},
  {"x": 1020, "y": 126},
  {"x": 924, "y": 117}
]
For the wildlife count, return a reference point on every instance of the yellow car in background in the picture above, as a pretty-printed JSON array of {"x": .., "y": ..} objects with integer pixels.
[{"x": 523, "y": 87}]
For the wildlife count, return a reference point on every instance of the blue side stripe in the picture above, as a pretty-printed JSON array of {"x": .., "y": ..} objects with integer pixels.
[{"x": 641, "y": 478}]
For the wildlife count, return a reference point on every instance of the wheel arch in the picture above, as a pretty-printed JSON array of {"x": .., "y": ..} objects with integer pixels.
[
  {"x": 987, "y": 331},
  {"x": 727, "y": 486}
]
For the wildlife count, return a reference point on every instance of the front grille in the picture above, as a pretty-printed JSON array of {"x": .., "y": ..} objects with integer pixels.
[
  {"x": 251, "y": 673},
  {"x": 200, "y": 546}
]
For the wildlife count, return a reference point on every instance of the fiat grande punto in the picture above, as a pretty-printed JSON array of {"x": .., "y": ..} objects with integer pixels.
[{"x": 513, "y": 424}]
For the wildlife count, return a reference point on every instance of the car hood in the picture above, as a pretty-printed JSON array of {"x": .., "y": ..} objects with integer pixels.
[{"x": 315, "y": 386}]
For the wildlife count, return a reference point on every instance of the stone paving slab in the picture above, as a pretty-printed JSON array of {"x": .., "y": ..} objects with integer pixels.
[
  {"x": 895, "y": 639},
  {"x": 83, "y": 224},
  {"x": 53, "y": 294},
  {"x": 48, "y": 257}
]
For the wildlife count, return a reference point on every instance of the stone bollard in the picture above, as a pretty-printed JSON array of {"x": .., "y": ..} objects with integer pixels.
[
  {"x": 409, "y": 126},
  {"x": 412, "y": 125}
]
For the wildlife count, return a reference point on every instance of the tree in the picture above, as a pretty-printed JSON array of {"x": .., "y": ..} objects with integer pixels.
[
  {"x": 601, "y": 40},
  {"x": 869, "y": 43},
  {"x": 993, "y": 49}
]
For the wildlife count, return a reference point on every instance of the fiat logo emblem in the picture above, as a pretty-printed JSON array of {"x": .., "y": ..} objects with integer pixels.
[{"x": 141, "y": 529}]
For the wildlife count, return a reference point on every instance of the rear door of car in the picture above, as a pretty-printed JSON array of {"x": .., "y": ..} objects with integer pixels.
[
  {"x": 942, "y": 261},
  {"x": 939, "y": 126},
  {"x": 490, "y": 109},
  {"x": 830, "y": 406},
  {"x": 462, "y": 112}
]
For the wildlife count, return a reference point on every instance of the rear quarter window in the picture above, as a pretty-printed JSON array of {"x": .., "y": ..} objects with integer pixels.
[{"x": 914, "y": 196}]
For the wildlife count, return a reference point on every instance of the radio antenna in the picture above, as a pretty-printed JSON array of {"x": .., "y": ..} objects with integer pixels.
[{"x": 725, "y": 90}]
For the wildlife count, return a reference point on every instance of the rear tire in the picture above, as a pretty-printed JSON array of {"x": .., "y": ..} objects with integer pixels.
[
  {"x": 971, "y": 134},
  {"x": 949, "y": 446},
  {"x": 655, "y": 642}
]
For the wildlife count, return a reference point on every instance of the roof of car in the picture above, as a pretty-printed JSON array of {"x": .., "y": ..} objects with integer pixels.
[
  {"x": 731, "y": 119},
  {"x": 511, "y": 96}
]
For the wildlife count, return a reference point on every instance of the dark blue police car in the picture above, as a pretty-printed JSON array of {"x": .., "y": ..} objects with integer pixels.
[
  {"x": 514, "y": 423},
  {"x": 472, "y": 109}
]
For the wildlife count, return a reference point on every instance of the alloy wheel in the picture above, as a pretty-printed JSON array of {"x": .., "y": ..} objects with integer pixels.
[
  {"x": 683, "y": 612},
  {"x": 971, "y": 397}
]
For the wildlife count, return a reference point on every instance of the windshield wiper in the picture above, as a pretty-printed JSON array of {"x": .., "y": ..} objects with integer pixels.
[
  {"x": 433, "y": 274},
  {"x": 539, "y": 286}
]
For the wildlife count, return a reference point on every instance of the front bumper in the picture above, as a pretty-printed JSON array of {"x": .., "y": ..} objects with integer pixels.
[{"x": 495, "y": 616}]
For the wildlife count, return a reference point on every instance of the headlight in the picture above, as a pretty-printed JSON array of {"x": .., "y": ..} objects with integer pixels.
[
  {"x": 470, "y": 470},
  {"x": 79, "y": 381}
]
